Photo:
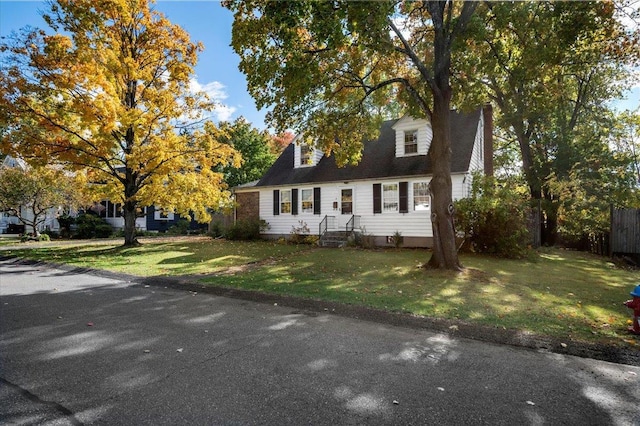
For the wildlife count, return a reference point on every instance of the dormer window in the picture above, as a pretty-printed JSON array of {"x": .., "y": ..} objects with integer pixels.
[
  {"x": 411, "y": 142},
  {"x": 306, "y": 155}
]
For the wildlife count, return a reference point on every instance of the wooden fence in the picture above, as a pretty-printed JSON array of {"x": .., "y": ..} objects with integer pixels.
[{"x": 625, "y": 231}]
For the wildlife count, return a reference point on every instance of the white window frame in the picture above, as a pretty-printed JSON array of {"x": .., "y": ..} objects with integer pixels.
[
  {"x": 283, "y": 202},
  {"x": 421, "y": 206},
  {"x": 389, "y": 201},
  {"x": 308, "y": 210},
  {"x": 162, "y": 214},
  {"x": 309, "y": 160},
  {"x": 411, "y": 139},
  {"x": 342, "y": 202}
]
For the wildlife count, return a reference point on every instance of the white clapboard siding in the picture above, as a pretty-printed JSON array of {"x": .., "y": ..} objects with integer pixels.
[
  {"x": 411, "y": 224},
  {"x": 477, "y": 155}
]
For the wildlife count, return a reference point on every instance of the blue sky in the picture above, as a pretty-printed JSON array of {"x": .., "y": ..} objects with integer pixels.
[
  {"x": 206, "y": 21},
  {"x": 217, "y": 70}
]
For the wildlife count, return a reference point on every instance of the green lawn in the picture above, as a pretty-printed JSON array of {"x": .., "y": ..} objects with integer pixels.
[
  {"x": 179, "y": 256},
  {"x": 554, "y": 292}
]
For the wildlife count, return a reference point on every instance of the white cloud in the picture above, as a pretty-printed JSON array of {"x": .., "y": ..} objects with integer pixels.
[
  {"x": 217, "y": 93},
  {"x": 223, "y": 112}
]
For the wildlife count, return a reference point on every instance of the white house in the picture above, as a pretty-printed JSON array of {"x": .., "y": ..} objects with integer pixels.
[{"x": 387, "y": 192}]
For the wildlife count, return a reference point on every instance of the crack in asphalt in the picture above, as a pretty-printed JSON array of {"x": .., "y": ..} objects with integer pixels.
[{"x": 70, "y": 415}]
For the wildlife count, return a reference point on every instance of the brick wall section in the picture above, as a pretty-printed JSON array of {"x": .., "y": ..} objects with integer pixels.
[{"x": 248, "y": 205}]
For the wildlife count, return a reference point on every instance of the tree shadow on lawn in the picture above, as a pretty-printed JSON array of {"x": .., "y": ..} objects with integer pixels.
[{"x": 488, "y": 298}]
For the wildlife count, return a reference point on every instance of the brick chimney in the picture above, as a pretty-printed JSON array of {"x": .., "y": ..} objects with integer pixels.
[{"x": 487, "y": 113}]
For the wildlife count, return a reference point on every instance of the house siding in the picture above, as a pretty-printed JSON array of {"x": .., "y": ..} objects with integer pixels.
[
  {"x": 477, "y": 161},
  {"x": 477, "y": 155},
  {"x": 414, "y": 225},
  {"x": 117, "y": 223}
]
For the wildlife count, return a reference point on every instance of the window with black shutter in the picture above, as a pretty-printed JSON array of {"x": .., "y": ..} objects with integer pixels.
[
  {"x": 316, "y": 200},
  {"x": 276, "y": 202},
  {"x": 377, "y": 198},
  {"x": 294, "y": 201},
  {"x": 404, "y": 197}
]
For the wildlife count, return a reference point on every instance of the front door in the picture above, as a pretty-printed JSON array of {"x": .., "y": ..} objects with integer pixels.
[
  {"x": 346, "y": 206},
  {"x": 346, "y": 201}
]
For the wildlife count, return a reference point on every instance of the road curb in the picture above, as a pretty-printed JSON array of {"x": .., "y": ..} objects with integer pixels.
[{"x": 453, "y": 328}]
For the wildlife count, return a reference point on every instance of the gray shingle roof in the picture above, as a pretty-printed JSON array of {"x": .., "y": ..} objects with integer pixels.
[{"x": 378, "y": 158}]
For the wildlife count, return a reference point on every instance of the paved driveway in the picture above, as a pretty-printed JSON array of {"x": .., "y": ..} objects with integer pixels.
[{"x": 83, "y": 349}]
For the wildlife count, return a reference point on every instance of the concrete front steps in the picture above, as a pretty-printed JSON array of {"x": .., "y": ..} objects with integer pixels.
[{"x": 334, "y": 239}]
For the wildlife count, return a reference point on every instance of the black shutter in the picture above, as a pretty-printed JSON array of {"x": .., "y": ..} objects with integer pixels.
[
  {"x": 377, "y": 198},
  {"x": 276, "y": 202},
  {"x": 404, "y": 197},
  {"x": 294, "y": 201},
  {"x": 316, "y": 200}
]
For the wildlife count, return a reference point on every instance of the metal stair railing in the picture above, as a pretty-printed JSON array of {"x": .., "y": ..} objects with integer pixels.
[
  {"x": 327, "y": 223},
  {"x": 353, "y": 223}
]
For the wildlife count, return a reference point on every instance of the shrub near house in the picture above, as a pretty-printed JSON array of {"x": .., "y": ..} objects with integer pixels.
[{"x": 494, "y": 218}]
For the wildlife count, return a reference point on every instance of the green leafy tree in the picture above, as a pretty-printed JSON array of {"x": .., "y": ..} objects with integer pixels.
[
  {"x": 253, "y": 146},
  {"x": 30, "y": 194},
  {"x": 106, "y": 91},
  {"x": 551, "y": 68},
  {"x": 601, "y": 177},
  {"x": 625, "y": 141},
  {"x": 331, "y": 70}
]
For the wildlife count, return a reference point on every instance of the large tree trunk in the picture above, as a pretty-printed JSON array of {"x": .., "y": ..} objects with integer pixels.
[
  {"x": 445, "y": 252},
  {"x": 130, "y": 215},
  {"x": 130, "y": 208}
]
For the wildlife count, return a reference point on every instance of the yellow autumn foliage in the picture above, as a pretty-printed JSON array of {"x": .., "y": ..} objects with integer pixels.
[{"x": 108, "y": 95}]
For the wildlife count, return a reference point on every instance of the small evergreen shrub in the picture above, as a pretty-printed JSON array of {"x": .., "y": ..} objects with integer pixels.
[
  {"x": 179, "y": 228},
  {"x": 92, "y": 226},
  {"x": 245, "y": 229},
  {"x": 217, "y": 229},
  {"x": 31, "y": 237},
  {"x": 397, "y": 239},
  {"x": 66, "y": 222},
  {"x": 51, "y": 234}
]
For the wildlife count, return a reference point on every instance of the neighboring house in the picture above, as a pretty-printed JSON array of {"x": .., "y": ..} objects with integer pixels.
[
  {"x": 10, "y": 224},
  {"x": 387, "y": 192},
  {"x": 151, "y": 218}
]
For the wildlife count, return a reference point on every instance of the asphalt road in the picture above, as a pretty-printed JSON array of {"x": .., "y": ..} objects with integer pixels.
[{"x": 83, "y": 349}]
